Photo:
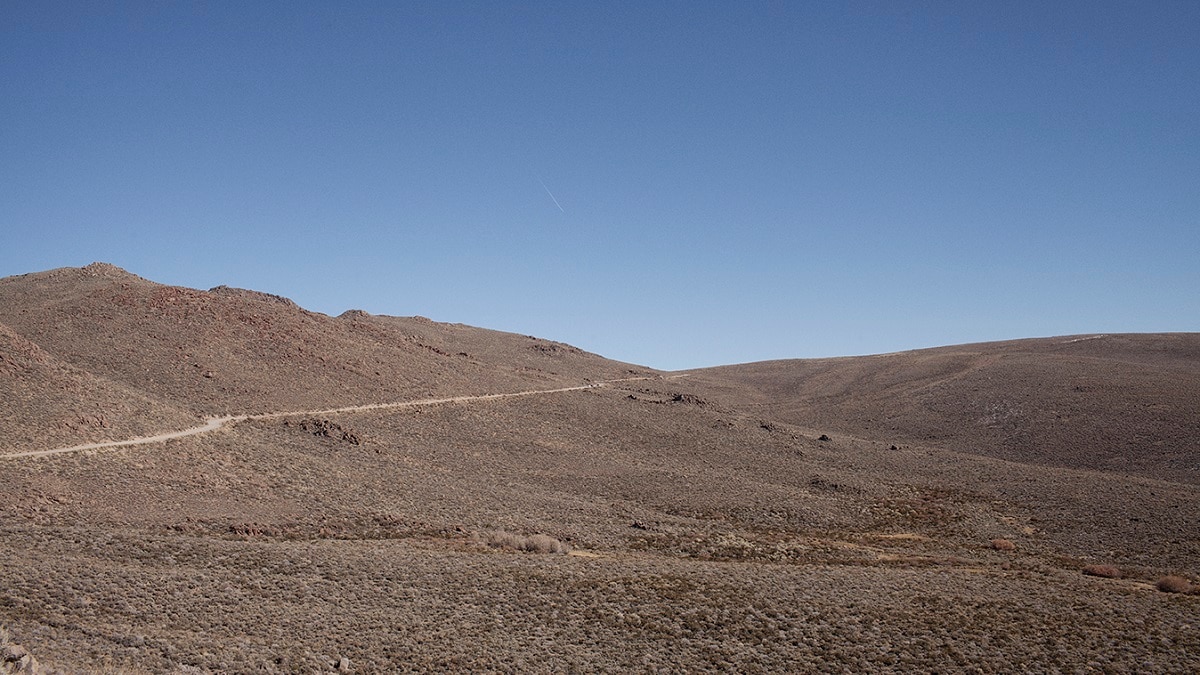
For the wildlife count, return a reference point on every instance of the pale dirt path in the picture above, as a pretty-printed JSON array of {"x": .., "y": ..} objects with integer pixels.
[
  {"x": 215, "y": 423},
  {"x": 212, "y": 424}
]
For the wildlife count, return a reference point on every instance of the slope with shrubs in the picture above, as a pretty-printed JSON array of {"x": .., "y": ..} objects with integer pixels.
[
  {"x": 704, "y": 539},
  {"x": 47, "y": 403},
  {"x": 1121, "y": 403}
]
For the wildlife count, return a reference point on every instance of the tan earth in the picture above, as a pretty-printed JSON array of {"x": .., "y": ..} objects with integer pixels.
[{"x": 377, "y": 494}]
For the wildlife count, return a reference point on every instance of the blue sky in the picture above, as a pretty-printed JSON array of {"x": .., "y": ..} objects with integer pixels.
[{"x": 738, "y": 180}]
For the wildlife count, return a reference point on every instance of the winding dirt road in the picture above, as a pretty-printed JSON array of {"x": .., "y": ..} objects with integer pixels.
[{"x": 215, "y": 423}]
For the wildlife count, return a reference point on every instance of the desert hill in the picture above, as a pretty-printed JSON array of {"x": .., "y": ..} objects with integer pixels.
[
  {"x": 1122, "y": 403},
  {"x": 232, "y": 350},
  {"x": 833, "y": 516}
]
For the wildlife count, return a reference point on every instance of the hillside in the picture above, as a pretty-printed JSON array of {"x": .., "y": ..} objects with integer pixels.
[
  {"x": 230, "y": 350},
  {"x": 1120, "y": 403},
  {"x": 712, "y": 525},
  {"x": 48, "y": 403}
]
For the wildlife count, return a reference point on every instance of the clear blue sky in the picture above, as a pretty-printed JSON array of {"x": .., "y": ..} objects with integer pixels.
[{"x": 738, "y": 180}]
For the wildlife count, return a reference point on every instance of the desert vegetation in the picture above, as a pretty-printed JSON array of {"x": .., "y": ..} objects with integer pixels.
[
  {"x": 537, "y": 543},
  {"x": 1103, "y": 571},
  {"x": 15, "y": 659},
  {"x": 1173, "y": 583}
]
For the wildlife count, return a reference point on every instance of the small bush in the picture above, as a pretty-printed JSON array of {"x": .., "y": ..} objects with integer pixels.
[
  {"x": 1105, "y": 571},
  {"x": 1173, "y": 584},
  {"x": 501, "y": 539},
  {"x": 1003, "y": 545},
  {"x": 538, "y": 543}
]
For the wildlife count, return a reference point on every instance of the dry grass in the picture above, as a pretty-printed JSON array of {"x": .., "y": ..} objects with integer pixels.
[
  {"x": 1173, "y": 584},
  {"x": 1104, "y": 571}
]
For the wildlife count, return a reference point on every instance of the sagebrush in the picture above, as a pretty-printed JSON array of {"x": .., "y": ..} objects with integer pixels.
[{"x": 537, "y": 543}]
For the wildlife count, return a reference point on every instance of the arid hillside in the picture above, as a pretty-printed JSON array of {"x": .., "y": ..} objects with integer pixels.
[
  {"x": 1122, "y": 403},
  {"x": 231, "y": 350},
  {"x": 832, "y": 516},
  {"x": 48, "y": 403}
]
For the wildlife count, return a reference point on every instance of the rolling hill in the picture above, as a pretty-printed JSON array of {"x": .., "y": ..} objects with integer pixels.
[{"x": 1121, "y": 403}]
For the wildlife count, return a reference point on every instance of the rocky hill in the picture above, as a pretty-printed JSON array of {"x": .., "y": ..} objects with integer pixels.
[{"x": 230, "y": 350}]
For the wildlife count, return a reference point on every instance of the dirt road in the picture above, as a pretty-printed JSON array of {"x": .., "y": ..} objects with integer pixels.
[{"x": 215, "y": 423}]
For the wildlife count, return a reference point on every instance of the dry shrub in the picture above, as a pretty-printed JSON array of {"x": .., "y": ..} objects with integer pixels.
[
  {"x": 1105, "y": 571},
  {"x": 1173, "y": 584},
  {"x": 502, "y": 539},
  {"x": 1003, "y": 545},
  {"x": 538, "y": 543}
]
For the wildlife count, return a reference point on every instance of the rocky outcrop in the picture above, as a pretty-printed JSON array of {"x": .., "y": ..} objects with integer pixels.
[
  {"x": 18, "y": 353},
  {"x": 690, "y": 399},
  {"x": 328, "y": 429},
  {"x": 17, "y": 660},
  {"x": 230, "y": 291}
]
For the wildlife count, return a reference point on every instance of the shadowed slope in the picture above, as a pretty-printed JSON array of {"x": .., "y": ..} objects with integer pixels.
[
  {"x": 47, "y": 403},
  {"x": 1124, "y": 403}
]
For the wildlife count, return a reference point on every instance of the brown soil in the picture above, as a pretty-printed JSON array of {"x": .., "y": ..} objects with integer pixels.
[{"x": 711, "y": 529}]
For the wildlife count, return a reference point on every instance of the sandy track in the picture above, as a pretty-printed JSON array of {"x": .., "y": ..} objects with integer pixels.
[
  {"x": 215, "y": 423},
  {"x": 212, "y": 424}
]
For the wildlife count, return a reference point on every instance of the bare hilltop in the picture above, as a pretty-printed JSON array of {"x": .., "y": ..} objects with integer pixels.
[{"x": 367, "y": 493}]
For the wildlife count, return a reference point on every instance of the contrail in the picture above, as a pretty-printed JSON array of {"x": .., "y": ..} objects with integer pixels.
[{"x": 560, "y": 208}]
